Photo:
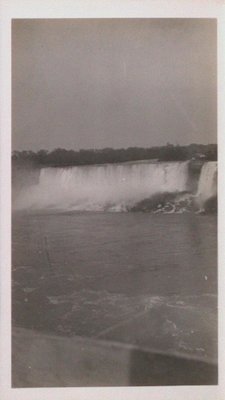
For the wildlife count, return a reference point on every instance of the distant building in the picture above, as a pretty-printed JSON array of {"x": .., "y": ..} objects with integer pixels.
[{"x": 199, "y": 156}]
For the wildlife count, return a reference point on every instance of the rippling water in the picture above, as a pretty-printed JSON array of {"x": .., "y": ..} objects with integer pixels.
[{"x": 138, "y": 278}]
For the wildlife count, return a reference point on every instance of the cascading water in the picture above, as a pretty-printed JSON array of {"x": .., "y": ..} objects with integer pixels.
[
  {"x": 137, "y": 186},
  {"x": 207, "y": 186},
  {"x": 114, "y": 187}
]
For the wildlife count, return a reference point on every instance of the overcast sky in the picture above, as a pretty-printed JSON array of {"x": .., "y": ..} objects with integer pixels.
[{"x": 113, "y": 82}]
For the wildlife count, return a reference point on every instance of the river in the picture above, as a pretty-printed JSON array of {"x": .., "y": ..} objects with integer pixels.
[{"x": 139, "y": 278}]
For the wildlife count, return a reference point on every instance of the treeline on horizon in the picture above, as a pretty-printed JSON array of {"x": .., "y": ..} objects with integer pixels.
[{"x": 62, "y": 157}]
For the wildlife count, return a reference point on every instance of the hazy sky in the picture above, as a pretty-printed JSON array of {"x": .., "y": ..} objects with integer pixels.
[{"x": 96, "y": 83}]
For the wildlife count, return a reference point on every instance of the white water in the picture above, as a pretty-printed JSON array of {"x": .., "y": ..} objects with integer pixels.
[
  {"x": 207, "y": 186},
  {"x": 114, "y": 187},
  {"x": 111, "y": 187}
]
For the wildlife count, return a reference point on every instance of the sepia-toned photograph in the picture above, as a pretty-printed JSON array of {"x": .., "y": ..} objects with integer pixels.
[{"x": 114, "y": 202}]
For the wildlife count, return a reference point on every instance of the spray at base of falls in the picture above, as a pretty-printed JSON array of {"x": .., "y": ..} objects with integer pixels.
[{"x": 137, "y": 186}]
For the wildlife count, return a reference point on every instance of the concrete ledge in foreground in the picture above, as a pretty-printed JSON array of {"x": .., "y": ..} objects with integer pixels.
[{"x": 40, "y": 360}]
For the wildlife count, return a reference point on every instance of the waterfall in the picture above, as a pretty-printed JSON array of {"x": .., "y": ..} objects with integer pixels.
[
  {"x": 113, "y": 187},
  {"x": 207, "y": 186},
  {"x": 136, "y": 186}
]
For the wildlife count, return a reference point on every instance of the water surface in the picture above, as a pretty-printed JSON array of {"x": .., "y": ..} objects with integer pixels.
[{"x": 135, "y": 278}]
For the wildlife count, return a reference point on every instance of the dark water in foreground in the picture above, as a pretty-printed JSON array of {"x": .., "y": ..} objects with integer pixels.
[{"x": 143, "y": 279}]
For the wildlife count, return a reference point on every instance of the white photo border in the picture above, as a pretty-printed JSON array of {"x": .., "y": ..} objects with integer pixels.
[{"x": 11, "y": 9}]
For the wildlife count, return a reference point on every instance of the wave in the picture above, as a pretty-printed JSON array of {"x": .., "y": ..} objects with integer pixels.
[{"x": 139, "y": 186}]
